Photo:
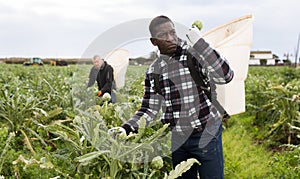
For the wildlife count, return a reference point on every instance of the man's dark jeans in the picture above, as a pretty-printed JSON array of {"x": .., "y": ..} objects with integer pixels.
[{"x": 204, "y": 146}]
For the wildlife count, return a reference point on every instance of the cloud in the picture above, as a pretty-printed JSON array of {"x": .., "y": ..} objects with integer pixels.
[{"x": 66, "y": 28}]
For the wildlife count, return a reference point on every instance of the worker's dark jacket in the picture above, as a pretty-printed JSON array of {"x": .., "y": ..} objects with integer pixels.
[{"x": 104, "y": 78}]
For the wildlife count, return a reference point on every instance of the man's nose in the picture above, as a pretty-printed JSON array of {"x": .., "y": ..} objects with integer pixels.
[{"x": 170, "y": 37}]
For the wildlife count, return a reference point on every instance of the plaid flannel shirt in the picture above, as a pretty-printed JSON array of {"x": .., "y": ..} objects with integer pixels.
[{"x": 184, "y": 104}]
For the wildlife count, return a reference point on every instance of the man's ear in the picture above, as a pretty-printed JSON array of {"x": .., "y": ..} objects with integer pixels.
[{"x": 153, "y": 41}]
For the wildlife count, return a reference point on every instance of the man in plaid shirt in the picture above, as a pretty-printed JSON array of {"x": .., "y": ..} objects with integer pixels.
[{"x": 194, "y": 120}]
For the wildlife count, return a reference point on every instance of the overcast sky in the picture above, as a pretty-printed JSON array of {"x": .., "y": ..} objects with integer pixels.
[{"x": 65, "y": 28}]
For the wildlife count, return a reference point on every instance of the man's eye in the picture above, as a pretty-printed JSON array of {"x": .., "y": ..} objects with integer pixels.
[{"x": 162, "y": 35}]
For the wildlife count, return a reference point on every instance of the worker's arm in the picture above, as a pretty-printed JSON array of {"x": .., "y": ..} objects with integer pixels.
[{"x": 92, "y": 76}]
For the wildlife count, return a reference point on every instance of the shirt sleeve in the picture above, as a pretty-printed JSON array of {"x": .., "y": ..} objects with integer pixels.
[
  {"x": 217, "y": 67},
  {"x": 151, "y": 104}
]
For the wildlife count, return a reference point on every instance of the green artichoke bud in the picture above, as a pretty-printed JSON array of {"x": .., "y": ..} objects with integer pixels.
[
  {"x": 106, "y": 96},
  {"x": 157, "y": 162},
  {"x": 122, "y": 136},
  {"x": 197, "y": 24}
]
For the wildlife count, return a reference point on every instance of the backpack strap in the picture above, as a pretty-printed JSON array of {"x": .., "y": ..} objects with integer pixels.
[
  {"x": 156, "y": 83},
  {"x": 198, "y": 77},
  {"x": 156, "y": 74},
  {"x": 209, "y": 89}
]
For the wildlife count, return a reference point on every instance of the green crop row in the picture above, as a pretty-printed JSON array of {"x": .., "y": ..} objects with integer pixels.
[
  {"x": 53, "y": 126},
  {"x": 273, "y": 96}
]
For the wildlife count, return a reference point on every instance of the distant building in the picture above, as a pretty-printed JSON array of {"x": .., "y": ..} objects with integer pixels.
[{"x": 262, "y": 58}]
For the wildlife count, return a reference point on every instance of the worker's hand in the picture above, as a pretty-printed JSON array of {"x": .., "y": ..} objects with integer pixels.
[
  {"x": 193, "y": 35},
  {"x": 117, "y": 132},
  {"x": 99, "y": 93}
]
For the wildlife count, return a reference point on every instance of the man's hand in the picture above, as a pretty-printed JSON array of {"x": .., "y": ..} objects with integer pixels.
[
  {"x": 99, "y": 93},
  {"x": 119, "y": 132},
  {"x": 193, "y": 35}
]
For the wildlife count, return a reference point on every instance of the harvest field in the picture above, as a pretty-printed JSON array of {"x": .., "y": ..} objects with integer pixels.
[{"x": 53, "y": 127}]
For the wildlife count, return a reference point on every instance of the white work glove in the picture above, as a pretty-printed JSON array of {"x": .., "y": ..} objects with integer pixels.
[
  {"x": 193, "y": 35},
  {"x": 119, "y": 132}
]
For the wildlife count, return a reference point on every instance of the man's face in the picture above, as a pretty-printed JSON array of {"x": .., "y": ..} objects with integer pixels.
[
  {"x": 98, "y": 62},
  {"x": 165, "y": 38}
]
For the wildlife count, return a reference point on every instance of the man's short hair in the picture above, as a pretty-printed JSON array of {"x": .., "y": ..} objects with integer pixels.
[
  {"x": 157, "y": 21},
  {"x": 95, "y": 57}
]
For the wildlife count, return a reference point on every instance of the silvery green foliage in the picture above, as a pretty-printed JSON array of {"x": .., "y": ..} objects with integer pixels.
[
  {"x": 181, "y": 168},
  {"x": 118, "y": 150}
]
